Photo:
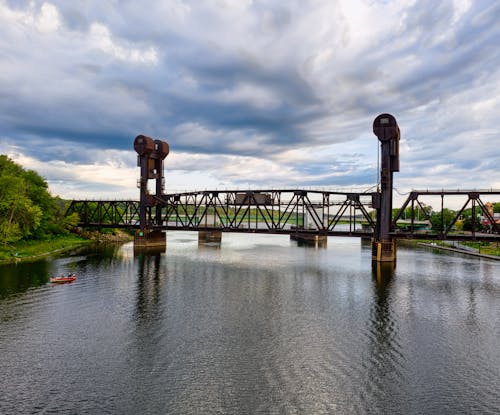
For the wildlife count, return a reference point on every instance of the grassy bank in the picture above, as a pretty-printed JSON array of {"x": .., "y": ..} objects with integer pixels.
[
  {"x": 485, "y": 248},
  {"x": 27, "y": 250}
]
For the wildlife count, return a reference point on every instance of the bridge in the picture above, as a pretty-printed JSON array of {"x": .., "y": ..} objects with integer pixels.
[{"x": 308, "y": 215}]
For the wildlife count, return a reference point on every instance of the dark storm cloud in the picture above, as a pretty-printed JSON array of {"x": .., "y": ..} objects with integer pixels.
[{"x": 256, "y": 80}]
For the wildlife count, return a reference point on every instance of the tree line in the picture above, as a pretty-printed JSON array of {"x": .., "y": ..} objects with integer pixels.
[{"x": 27, "y": 209}]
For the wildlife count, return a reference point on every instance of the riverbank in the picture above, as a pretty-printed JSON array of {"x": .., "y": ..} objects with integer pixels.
[
  {"x": 33, "y": 250},
  {"x": 433, "y": 245}
]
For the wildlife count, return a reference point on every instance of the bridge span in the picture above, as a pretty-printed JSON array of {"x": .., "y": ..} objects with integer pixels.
[
  {"x": 289, "y": 212},
  {"x": 310, "y": 215}
]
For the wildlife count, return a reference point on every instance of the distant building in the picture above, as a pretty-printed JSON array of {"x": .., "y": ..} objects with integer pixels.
[{"x": 496, "y": 216}]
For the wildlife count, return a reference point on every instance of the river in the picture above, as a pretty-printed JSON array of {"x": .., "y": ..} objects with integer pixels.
[{"x": 258, "y": 325}]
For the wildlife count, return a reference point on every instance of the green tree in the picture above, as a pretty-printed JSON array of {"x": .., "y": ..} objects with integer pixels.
[
  {"x": 468, "y": 223},
  {"x": 19, "y": 216},
  {"x": 38, "y": 193},
  {"x": 421, "y": 212},
  {"x": 27, "y": 210},
  {"x": 441, "y": 220}
]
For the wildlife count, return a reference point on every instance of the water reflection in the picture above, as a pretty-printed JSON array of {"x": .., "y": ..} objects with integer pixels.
[
  {"x": 19, "y": 277},
  {"x": 383, "y": 272},
  {"x": 213, "y": 246},
  {"x": 148, "y": 282},
  {"x": 257, "y": 326},
  {"x": 385, "y": 359}
]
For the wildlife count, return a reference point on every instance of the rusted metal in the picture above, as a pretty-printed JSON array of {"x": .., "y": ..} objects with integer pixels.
[
  {"x": 276, "y": 210},
  {"x": 144, "y": 145},
  {"x": 161, "y": 149},
  {"x": 331, "y": 213},
  {"x": 385, "y": 127},
  {"x": 252, "y": 198},
  {"x": 472, "y": 199},
  {"x": 151, "y": 154}
]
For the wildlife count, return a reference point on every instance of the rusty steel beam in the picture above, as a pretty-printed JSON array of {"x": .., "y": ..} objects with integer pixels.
[{"x": 279, "y": 212}]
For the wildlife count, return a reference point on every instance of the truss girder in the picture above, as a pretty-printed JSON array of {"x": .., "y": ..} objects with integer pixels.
[
  {"x": 281, "y": 212},
  {"x": 273, "y": 210},
  {"x": 472, "y": 199}
]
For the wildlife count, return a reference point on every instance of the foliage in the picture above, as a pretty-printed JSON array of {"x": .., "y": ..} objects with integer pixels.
[
  {"x": 420, "y": 212},
  {"x": 27, "y": 210},
  {"x": 441, "y": 220},
  {"x": 468, "y": 225}
]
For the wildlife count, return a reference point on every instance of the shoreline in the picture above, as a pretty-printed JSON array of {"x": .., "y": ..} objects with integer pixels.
[
  {"x": 459, "y": 251},
  {"x": 33, "y": 257},
  {"x": 34, "y": 250}
]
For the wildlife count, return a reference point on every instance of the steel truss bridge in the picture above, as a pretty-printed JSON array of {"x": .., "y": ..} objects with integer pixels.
[{"x": 291, "y": 212}]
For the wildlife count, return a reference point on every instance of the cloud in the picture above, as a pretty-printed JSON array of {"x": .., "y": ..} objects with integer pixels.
[{"x": 250, "y": 92}]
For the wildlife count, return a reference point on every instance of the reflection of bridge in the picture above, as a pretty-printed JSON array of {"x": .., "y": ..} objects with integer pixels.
[{"x": 304, "y": 214}]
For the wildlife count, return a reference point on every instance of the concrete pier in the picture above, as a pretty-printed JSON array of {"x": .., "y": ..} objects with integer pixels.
[
  {"x": 214, "y": 236},
  {"x": 150, "y": 238},
  {"x": 310, "y": 239},
  {"x": 384, "y": 251}
]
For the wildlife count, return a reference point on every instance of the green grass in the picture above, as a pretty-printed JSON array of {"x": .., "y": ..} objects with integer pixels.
[
  {"x": 26, "y": 250},
  {"x": 487, "y": 248}
]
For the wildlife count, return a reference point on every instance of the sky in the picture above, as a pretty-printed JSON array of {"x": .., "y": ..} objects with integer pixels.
[{"x": 250, "y": 94}]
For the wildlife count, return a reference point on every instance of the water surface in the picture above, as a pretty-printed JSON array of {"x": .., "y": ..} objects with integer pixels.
[{"x": 259, "y": 325}]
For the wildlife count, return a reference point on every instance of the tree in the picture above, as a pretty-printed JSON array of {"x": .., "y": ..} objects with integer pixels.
[
  {"x": 19, "y": 216},
  {"x": 468, "y": 223},
  {"x": 421, "y": 212},
  {"x": 38, "y": 193},
  {"x": 441, "y": 220},
  {"x": 27, "y": 210}
]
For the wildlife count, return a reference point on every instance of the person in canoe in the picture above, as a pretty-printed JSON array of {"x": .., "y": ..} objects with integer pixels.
[{"x": 64, "y": 278}]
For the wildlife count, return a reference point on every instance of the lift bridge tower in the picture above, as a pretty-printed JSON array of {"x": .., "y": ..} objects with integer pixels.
[
  {"x": 386, "y": 128},
  {"x": 150, "y": 156}
]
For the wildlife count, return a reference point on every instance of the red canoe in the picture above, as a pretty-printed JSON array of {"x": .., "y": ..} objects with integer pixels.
[{"x": 62, "y": 280}]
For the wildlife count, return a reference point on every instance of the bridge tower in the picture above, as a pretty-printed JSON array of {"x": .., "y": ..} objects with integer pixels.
[
  {"x": 151, "y": 154},
  {"x": 386, "y": 128}
]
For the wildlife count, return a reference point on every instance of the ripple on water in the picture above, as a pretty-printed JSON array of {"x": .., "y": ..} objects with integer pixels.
[{"x": 252, "y": 327}]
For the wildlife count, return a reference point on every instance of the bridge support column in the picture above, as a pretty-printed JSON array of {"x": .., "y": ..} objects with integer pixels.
[
  {"x": 384, "y": 251},
  {"x": 386, "y": 128},
  {"x": 205, "y": 237},
  {"x": 150, "y": 238},
  {"x": 310, "y": 239}
]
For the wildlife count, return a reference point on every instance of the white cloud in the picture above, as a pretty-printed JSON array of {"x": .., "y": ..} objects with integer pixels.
[
  {"x": 101, "y": 38},
  {"x": 268, "y": 92},
  {"x": 48, "y": 20}
]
